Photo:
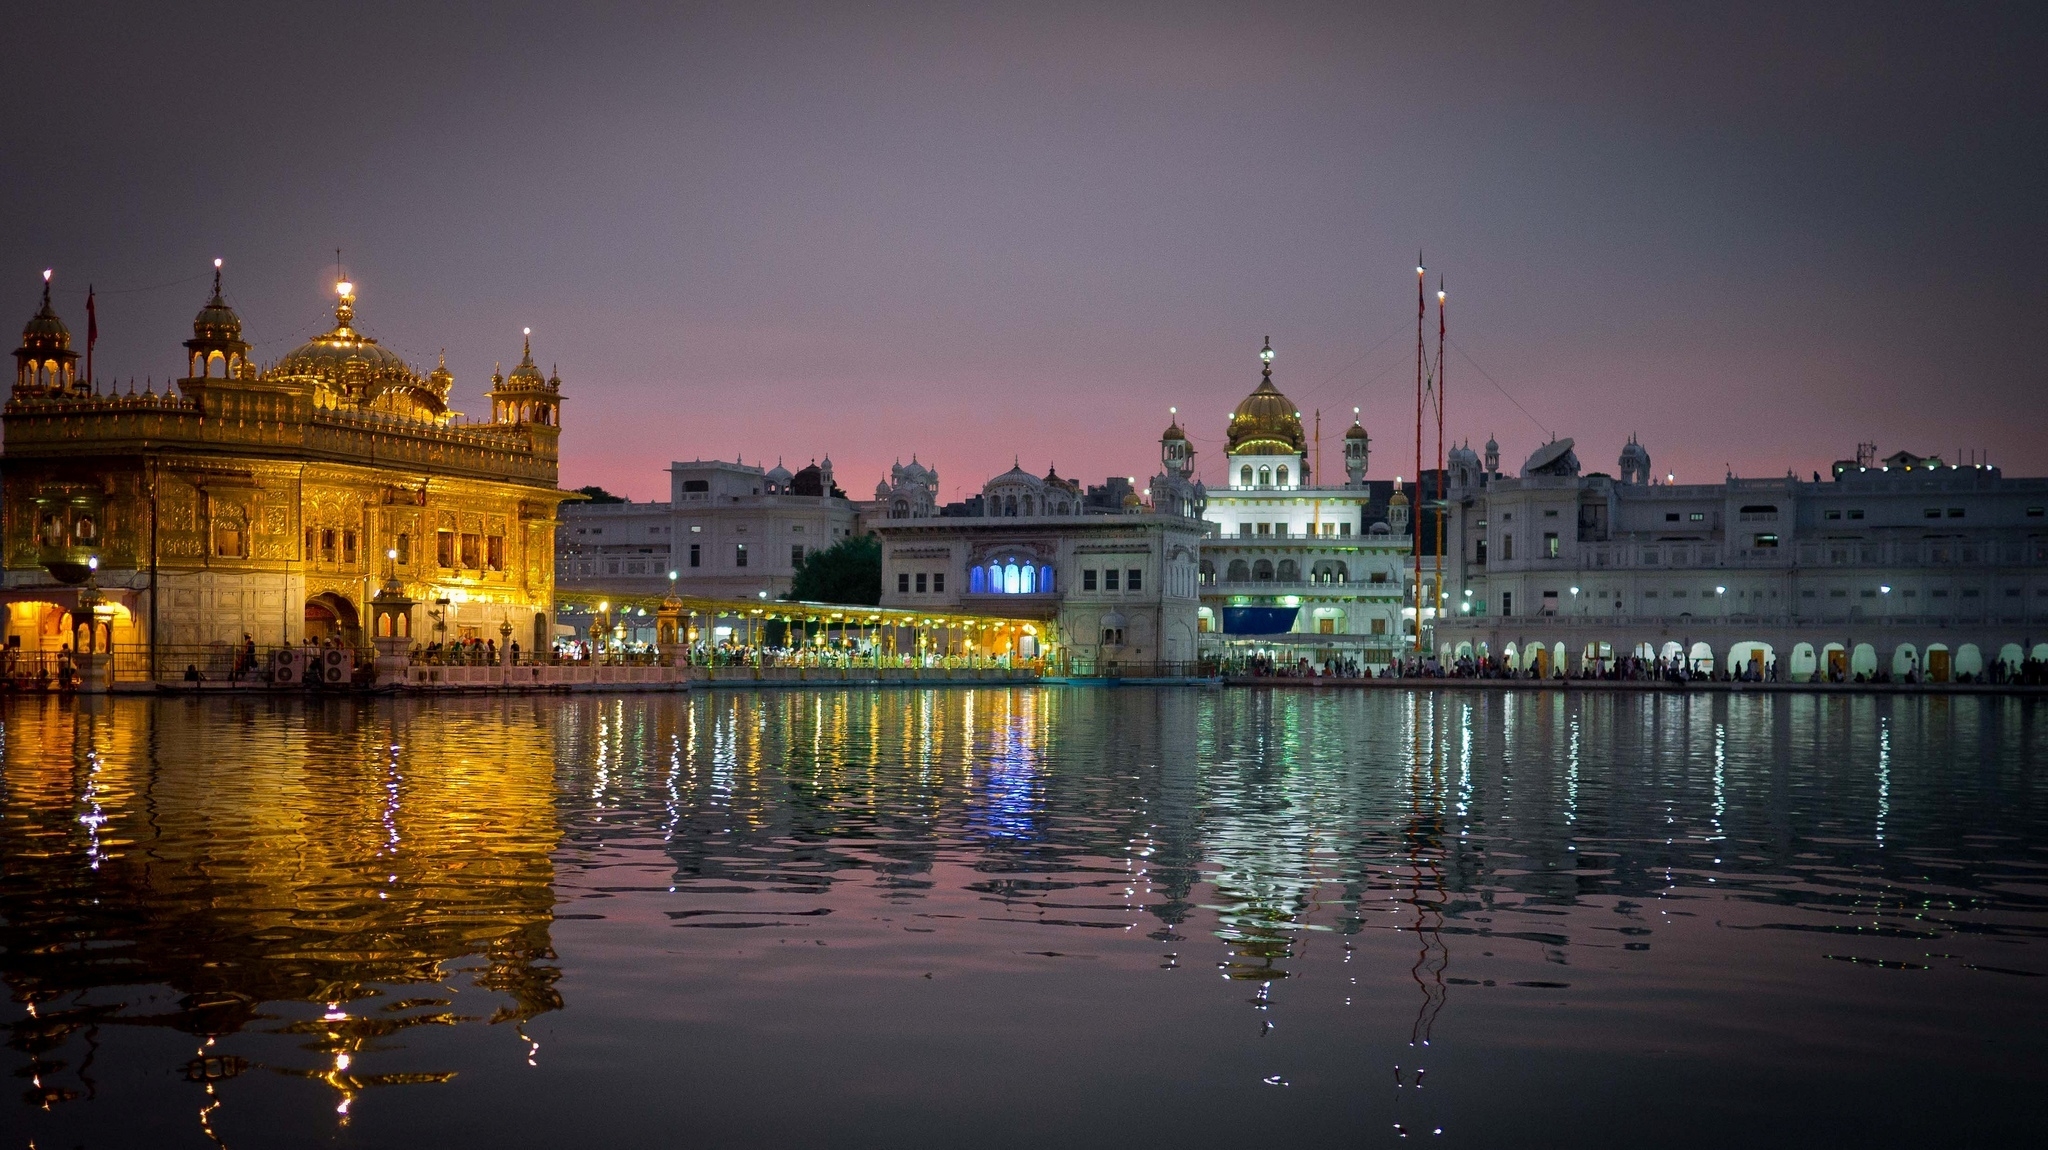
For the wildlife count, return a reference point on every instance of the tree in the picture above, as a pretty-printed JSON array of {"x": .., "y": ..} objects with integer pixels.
[
  {"x": 599, "y": 495},
  {"x": 849, "y": 571}
]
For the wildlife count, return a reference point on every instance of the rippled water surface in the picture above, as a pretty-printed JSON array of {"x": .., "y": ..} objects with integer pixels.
[{"x": 1030, "y": 917}]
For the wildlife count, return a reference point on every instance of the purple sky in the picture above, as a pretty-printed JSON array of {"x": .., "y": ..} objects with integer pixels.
[{"x": 1753, "y": 235}]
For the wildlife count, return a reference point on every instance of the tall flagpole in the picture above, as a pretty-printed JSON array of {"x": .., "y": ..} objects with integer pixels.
[
  {"x": 1415, "y": 519},
  {"x": 1440, "y": 502}
]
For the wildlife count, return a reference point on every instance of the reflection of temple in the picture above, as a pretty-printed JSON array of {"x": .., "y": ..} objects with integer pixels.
[
  {"x": 298, "y": 871},
  {"x": 273, "y": 502}
]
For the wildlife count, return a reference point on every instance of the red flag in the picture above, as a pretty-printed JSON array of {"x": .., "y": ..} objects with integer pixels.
[{"x": 92, "y": 332}]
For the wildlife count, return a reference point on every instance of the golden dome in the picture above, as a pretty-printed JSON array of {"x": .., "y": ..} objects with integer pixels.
[
  {"x": 352, "y": 364},
  {"x": 44, "y": 332},
  {"x": 1266, "y": 422}
]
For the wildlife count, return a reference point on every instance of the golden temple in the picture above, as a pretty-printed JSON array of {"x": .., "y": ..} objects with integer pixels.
[{"x": 273, "y": 503}]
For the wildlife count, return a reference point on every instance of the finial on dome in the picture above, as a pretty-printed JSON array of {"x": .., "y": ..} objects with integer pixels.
[
  {"x": 344, "y": 304},
  {"x": 527, "y": 347},
  {"x": 46, "y": 287}
]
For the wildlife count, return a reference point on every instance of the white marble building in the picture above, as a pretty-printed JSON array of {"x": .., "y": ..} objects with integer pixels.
[
  {"x": 728, "y": 530},
  {"x": 1895, "y": 566},
  {"x": 1316, "y": 567}
]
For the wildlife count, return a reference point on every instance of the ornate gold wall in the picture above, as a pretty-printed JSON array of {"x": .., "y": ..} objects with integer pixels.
[{"x": 262, "y": 503}]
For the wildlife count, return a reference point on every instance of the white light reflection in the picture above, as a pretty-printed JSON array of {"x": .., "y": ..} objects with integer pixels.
[{"x": 1884, "y": 774}]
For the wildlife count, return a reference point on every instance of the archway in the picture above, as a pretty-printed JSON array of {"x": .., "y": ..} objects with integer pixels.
[
  {"x": 2011, "y": 656},
  {"x": 1905, "y": 661},
  {"x": 331, "y": 618},
  {"x": 1803, "y": 663},
  {"x": 1835, "y": 658},
  {"x": 1863, "y": 661},
  {"x": 1939, "y": 663},
  {"x": 1969, "y": 663},
  {"x": 1509, "y": 655},
  {"x": 1752, "y": 656},
  {"x": 1701, "y": 657},
  {"x": 1596, "y": 658}
]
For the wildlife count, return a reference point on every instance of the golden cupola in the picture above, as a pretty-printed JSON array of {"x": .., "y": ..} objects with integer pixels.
[
  {"x": 525, "y": 396},
  {"x": 44, "y": 364},
  {"x": 216, "y": 347},
  {"x": 1266, "y": 422}
]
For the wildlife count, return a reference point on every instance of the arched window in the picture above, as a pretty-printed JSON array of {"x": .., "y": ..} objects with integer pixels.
[
  {"x": 1029, "y": 585},
  {"x": 1045, "y": 580},
  {"x": 1281, "y": 475},
  {"x": 977, "y": 581},
  {"x": 1010, "y": 506},
  {"x": 1265, "y": 477},
  {"x": 1012, "y": 578},
  {"x": 1240, "y": 571},
  {"x": 1208, "y": 571},
  {"x": 1244, "y": 476},
  {"x": 1262, "y": 571},
  {"x": 995, "y": 578},
  {"x": 1290, "y": 571},
  {"x": 1027, "y": 505}
]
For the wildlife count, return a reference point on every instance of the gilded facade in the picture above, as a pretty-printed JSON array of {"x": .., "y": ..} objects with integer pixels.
[{"x": 274, "y": 502}]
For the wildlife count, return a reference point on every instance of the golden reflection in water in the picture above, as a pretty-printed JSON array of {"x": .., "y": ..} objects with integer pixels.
[{"x": 299, "y": 855}]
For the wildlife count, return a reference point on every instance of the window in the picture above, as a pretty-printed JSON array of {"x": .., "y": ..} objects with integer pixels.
[
  {"x": 1112, "y": 636},
  {"x": 1550, "y": 513},
  {"x": 796, "y": 555},
  {"x": 1931, "y": 513},
  {"x": 1480, "y": 557},
  {"x": 1507, "y": 517},
  {"x": 1379, "y": 626},
  {"x": 1955, "y": 513},
  {"x": 903, "y": 582},
  {"x": 2034, "y": 512},
  {"x": 327, "y": 544},
  {"x": 1280, "y": 529},
  {"x": 1134, "y": 579},
  {"x": 1507, "y": 547},
  {"x": 1550, "y": 544},
  {"x": 1671, "y": 517},
  {"x": 1088, "y": 579},
  {"x": 1507, "y": 602},
  {"x": 494, "y": 552},
  {"x": 1855, "y": 514},
  {"x": 1244, "y": 476},
  {"x": 696, "y": 528},
  {"x": 1265, "y": 528},
  {"x": 1344, "y": 529},
  {"x": 922, "y": 581},
  {"x": 1265, "y": 477},
  {"x": 1109, "y": 575},
  {"x": 1244, "y": 531},
  {"x": 1698, "y": 517},
  {"x": 472, "y": 551},
  {"x": 1832, "y": 515},
  {"x": 939, "y": 581},
  {"x": 348, "y": 547},
  {"x": 227, "y": 539},
  {"x": 404, "y": 549},
  {"x": 1764, "y": 541},
  {"x": 1326, "y": 626},
  {"x": 1281, "y": 475},
  {"x": 444, "y": 548},
  {"x": 696, "y": 485},
  {"x": 696, "y": 554},
  {"x": 739, "y": 555}
]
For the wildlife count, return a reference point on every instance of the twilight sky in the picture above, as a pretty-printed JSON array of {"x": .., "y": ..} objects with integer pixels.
[{"x": 1752, "y": 234}]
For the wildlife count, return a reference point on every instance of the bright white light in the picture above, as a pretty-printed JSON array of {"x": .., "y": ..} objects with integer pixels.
[
  {"x": 1886, "y": 588},
  {"x": 1575, "y": 590},
  {"x": 1720, "y": 590},
  {"x": 46, "y": 275},
  {"x": 344, "y": 288},
  {"x": 525, "y": 331}
]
